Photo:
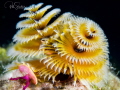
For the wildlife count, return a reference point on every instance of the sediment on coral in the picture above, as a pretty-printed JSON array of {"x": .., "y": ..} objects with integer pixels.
[{"x": 112, "y": 84}]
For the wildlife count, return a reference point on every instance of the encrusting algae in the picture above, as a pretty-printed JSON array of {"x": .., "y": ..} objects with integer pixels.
[{"x": 70, "y": 45}]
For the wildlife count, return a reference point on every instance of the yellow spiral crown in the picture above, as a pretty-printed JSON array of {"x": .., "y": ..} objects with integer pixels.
[{"x": 71, "y": 45}]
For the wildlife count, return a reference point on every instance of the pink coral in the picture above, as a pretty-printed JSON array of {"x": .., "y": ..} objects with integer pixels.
[{"x": 28, "y": 76}]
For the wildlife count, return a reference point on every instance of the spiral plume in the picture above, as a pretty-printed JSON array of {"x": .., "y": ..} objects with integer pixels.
[{"x": 70, "y": 45}]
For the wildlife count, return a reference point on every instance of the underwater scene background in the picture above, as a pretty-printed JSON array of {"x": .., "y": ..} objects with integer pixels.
[{"x": 105, "y": 13}]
